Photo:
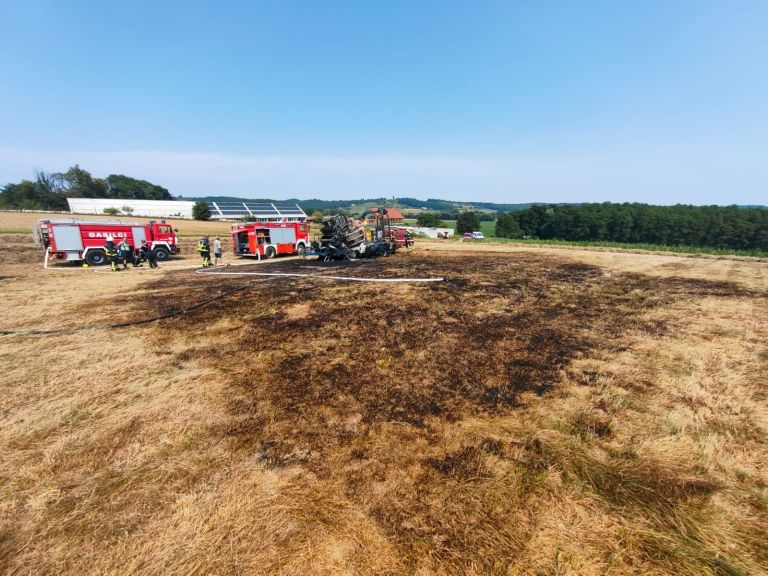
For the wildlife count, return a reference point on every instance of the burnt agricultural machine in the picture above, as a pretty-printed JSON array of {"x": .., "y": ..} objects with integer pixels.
[{"x": 345, "y": 238}]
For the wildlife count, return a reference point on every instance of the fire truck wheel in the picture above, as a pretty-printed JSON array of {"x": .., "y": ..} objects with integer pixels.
[
  {"x": 161, "y": 253},
  {"x": 270, "y": 253},
  {"x": 96, "y": 258},
  {"x": 301, "y": 248}
]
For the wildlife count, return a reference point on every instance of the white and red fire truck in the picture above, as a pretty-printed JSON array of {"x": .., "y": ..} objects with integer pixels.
[
  {"x": 268, "y": 239},
  {"x": 76, "y": 240}
]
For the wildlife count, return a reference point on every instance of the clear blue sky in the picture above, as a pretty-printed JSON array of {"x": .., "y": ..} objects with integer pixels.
[{"x": 653, "y": 101}]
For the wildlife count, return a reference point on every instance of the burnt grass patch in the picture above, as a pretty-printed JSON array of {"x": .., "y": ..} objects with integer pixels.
[
  {"x": 496, "y": 328},
  {"x": 360, "y": 383}
]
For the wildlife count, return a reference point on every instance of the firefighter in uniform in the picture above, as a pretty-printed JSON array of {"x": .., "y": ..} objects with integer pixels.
[
  {"x": 146, "y": 254},
  {"x": 111, "y": 251},
  {"x": 204, "y": 247}
]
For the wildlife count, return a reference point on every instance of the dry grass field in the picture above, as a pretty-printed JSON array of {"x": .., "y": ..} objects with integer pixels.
[
  {"x": 23, "y": 222},
  {"x": 543, "y": 411}
]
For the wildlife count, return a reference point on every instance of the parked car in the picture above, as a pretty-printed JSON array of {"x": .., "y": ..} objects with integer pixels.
[
  {"x": 477, "y": 236},
  {"x": 467, "y": 236}
]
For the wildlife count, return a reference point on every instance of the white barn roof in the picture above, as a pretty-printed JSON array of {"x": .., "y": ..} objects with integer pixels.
[
  {"x": 261, "y": 211},
  {"x": 158, "y": 208}
]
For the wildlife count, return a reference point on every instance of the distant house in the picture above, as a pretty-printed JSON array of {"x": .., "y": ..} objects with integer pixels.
[{"x": 395, "y": 216}]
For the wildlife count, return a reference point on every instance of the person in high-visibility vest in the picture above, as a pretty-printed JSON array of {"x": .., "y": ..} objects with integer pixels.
[
  {"x": 111, "y": 251},
  {"x": 125, "y": 254},
  {"x": 204, "y": 247}
]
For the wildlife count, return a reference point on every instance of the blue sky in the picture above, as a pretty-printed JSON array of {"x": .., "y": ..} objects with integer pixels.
[{"x": 652, "y": 101}]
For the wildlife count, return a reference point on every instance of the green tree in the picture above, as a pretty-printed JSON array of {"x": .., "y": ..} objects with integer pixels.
[
  {"x": 507, "y": 226},
  {"x": 428, "y": 219},
  {"x": 467, "y": 222},
  {"x": 119, "y": 186},
  {"x": 21, "y": 196},
  {"x": 111, "y": 211},
  {"x": 200, "y": 210},
  {"x": 78, "y": 183},
  {"x": 45, "y": 193}
]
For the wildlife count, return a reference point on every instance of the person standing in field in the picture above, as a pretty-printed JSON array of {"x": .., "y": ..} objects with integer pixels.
[
  {"x": 125, "y": 254},
  {"x": 111, "y": 252},
  {"x": 217, "y": 256},
  {"x": 204, "y": 247}
]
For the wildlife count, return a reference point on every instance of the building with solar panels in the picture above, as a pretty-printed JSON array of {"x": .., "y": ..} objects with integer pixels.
[
  {"x": 254, "y": 211},
  {"x": 257, "y": 211}
]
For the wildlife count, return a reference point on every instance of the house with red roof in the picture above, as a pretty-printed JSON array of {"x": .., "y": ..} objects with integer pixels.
[{"x": 395, "y": 216}]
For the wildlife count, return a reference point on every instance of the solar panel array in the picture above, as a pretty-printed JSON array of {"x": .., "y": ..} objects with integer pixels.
[{"x": 260, "y": 210}]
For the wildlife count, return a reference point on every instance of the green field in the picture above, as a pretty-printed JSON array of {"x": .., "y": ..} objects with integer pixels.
[
  {"x": 640, "y": 246},
  {"x": 489, "y": 230}
]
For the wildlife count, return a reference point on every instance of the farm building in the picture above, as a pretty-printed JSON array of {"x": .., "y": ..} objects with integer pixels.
[
  {"x": 395, "y": 216},
  {"x": 260, "y": 211},
  {"x": 156, "y": 208}
]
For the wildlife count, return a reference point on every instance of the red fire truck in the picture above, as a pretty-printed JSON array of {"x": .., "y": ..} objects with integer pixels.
[
  {"x": 268, "y": 239},
  {"x": 75, "y": 240},
  {"x": 402, "y": 237}
]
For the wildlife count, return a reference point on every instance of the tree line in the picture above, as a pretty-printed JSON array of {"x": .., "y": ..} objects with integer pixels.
[
  {"x": 50, "y": 190},
  {"x": 681, "y": 225}
]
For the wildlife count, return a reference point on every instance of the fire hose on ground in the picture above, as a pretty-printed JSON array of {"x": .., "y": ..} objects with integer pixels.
[{"x": 215, "y": 271}]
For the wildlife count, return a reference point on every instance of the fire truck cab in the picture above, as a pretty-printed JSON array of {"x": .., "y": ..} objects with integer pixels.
[{"x": 269, "y": 239}]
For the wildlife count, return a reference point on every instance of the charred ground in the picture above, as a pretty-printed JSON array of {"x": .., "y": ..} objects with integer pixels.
[
  {"x": 493, "y": 330},
  {"x": 374, "y": 392}
]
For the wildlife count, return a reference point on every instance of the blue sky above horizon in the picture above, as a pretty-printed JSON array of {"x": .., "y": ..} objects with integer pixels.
[{"x": 657, "y": 101}]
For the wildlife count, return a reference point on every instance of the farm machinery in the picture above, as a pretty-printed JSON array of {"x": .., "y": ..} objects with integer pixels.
[{"x": 345, "y": 238}]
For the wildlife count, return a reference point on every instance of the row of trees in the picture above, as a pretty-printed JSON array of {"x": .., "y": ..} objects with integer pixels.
[
  {"x": 454, "y": 215},
  {"x": 50, "y": 190},
  {"x": 455, "y": 208},
  {"x": 681, "y": 225}
]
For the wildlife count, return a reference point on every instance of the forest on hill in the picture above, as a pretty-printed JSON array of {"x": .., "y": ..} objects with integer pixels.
[{"x": 681, "y": 225}]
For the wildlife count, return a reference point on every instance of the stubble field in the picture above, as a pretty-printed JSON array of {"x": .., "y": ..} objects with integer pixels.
[{"x": 542, "y": 411}]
